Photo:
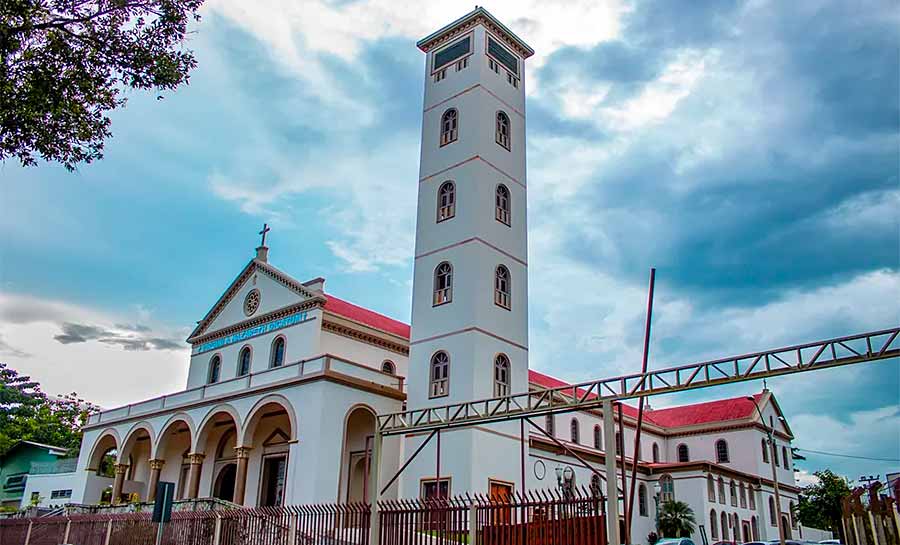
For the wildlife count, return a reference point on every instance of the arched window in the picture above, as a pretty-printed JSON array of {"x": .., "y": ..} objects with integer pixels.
[
  {"x": 642, "y": 500},
  {"x": 775, "y": 454},
  {"x": 666, "y": 488},
  {"x": 449, "y": 126},
  {"x": 743, "y": 495},
  {"x": 446, "y": 206},
  {"x": 722, "y": 451},
  {"x": 278, "y": 352},
  {"x": 752, "y": 497},
  {"x": 655, "y": 453},
  {"x": 501, "y": 375},
  {"x": 503, "y": 129},
  {"x": 598, "y": 437},
  {"x": 387, "y": 366},
  {"x": 618, "y": 443},
  {"x": 732, "y": 492},
  {"x": 784, "y": 457},
  {"x": 765, "y": 452},
  {"x": 736, "y": 527},
  {"x": 754, "y": 528},
  {"x": 244, "y": 361},
  {"x": 724, "y": 520},
  {"x": 443, "y": 283},
  {"x": 711, "y": 488},
  {"x": 713, "y": 524},
  {"x": 791, "y": 511},
  {"x": 772, "y": 519},
  {"x": 721, "y": 490},
  {"x": 440, "y": 374},
  {"x": 550, "y": 425},
  {"x": 575, "y": 431},
  {"x": 684, "y": 455},
  {"x": 215, "y": 369},
  {"x": 502, "y": 287},
  {"x": 502, "y": 205}
]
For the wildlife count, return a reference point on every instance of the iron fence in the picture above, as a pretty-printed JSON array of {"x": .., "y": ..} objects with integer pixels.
[{"x": 538, "y": 518}]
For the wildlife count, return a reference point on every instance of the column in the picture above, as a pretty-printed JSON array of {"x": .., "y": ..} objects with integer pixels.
[
  {"x": 155, "y": 468},
  {"x": 240, "y": 479},
  {"x": 121, "y": 470},
  {"x": 196, "y": 461}
]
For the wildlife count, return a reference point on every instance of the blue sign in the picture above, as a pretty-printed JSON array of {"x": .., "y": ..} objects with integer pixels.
[{"x": 253, "y": 332}]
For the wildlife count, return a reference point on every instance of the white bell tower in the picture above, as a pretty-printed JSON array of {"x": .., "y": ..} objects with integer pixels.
[{"x": 469, "y": 335}]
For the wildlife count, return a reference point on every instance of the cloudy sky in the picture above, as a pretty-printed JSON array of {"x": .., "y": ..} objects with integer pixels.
[{"x": 748, "y": 150}]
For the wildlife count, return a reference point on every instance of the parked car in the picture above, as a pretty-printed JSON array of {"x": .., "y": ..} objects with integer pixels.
[
  {"x": 728, "y": 543},
  {"x": 831, "y": 542},
  {"x": 756, "y": 543},
  {"x": 674, "y": 541}
]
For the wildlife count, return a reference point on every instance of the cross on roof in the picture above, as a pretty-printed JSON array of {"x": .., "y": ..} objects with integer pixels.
[{"x": 264, "y": 231}]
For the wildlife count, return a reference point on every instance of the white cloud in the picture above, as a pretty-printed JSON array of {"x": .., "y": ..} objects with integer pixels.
[{"x": 100, "y": 371}]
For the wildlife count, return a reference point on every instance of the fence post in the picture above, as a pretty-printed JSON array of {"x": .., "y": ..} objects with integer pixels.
[
  {"x": 28, "y": 532},
  {"x": 375, "y": 518},
  {"x": 108, "y": 532},
  {"x": 473, "y": 523},
  {"x": 217, "y": 531},
  {"x": 68, "y": 526},
  {"x": 612, "y": 493}
]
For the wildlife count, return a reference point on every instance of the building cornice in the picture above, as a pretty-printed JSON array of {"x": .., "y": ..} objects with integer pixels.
[
  {"x": 315, "y": 302},
  {"x": 345, "y": 327},
  {"x": 467, "y": 22}
]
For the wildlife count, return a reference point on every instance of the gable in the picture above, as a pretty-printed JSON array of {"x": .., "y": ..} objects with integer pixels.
[{"x": 273, "y": 290}]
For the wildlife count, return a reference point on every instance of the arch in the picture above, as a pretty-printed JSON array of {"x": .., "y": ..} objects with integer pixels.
[
  {"x": 246, "y": 437},
  {"x": 199, "y": 439},
  {"x": 666, "y": 488},
  {"x": 598, "y": 437},
  {"x": 183, "y": 418},
  {"x": 502, "y": 287},
  {"x": 784, "y": 457},
  {"x": 732, "y": 493},
  {"x": 792, "y": 508},
  {"x": 245, "y": 360},
  {"x": 575, "y": 431},
  {"x": 132, "y": 436},
  {"x": 443, "y": 283},
  {"x": 550, "y": 425},
  {"x": 214, "y": 371},
  {"x": 722, "y": 452},
  {"x": 446, "y": 201},
  {"x": 503, "y": 205},
  {"x": 684, "y": 454},
  {"x": 358, "y": 425},
  {"x": 711, "y": 487},
  {"x": 449, "y": 126},
  {"x": 222, "y": 450},
  {"x": 279, "y": 349},
  {"x": 713, "y": 524},
  {"x": 642, "y": 500},
  {"x": 502, "y": 131},
  {"x": 439, "y": 374},
  {"x": 501, "y": 375},
  {"x": 223, "y": 482},
  {"x": 754, "y": 528},
  {"x": 387, "y": 366},
  {"x": 772, "y": 520},
  {"x": 722, "y": 490},
  {"x": 765, "y": 451},
  {"x": 655, "y": 453},
  {"x": 743, "y": 492},
  {"x": 108, "y": 439},
  {"x": 725, "y": 520}
]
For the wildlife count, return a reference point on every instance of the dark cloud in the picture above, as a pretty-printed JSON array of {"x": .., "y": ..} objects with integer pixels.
[{"x": 132, "y": 339}]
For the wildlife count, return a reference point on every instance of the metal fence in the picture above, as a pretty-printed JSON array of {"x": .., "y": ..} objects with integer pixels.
[{"x": 535, "y": 519}]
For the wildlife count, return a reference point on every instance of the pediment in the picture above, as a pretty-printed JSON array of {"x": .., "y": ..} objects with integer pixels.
[{"x": 271, "y": 290}]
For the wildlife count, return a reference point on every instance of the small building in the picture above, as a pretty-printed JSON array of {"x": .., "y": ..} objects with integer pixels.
[{"x": 15, "y": 466}]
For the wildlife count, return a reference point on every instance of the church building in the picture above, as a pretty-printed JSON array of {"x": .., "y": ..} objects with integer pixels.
[{"x": 285, "y": 378}]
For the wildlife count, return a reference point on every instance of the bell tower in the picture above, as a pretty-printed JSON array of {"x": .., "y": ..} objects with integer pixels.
[{"x": 469, "y": 336}]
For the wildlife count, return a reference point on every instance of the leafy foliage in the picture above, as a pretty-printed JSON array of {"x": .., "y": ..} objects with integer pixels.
[
  {"x": 66, "y": 62},
  {"x": 28, "y": 414},
  {"x": 676, "y": 519},
  {"x": 820, "y": 503}
]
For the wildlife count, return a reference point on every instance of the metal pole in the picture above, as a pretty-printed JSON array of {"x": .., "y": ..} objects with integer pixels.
[
  {"x": 521, "y": 454},
  {"x": 68, "y": 526},
  {"x": 407, "y": 462},
  {"x": 640, "y": 418},
  {"x": 375, "y": 520},
  {"x": 159, "y": 532},
  {"x": 28, "y": 532},
  {"x": 437, "y": 469},
  {"x": 625, "y": 538},
  {"x": 108, "y": 532},
  {"x": 612, "y": 495}
]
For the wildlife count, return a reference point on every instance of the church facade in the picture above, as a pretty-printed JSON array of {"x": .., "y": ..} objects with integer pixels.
[{"x": 285, "y": 379}]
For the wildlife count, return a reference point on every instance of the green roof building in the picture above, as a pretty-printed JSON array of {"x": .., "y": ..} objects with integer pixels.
[{"x": 16, "y": 464}]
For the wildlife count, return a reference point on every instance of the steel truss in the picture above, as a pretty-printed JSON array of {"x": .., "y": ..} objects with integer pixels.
[{"x": 853, "y": 349}]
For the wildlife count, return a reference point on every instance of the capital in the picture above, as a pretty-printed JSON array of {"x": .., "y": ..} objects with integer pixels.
[
  {"x": 196, "y": 458},
  {"x": 242, "y": 452},
  {"x": 121, "y": 469},
  {"x": 157, "y": 464}
]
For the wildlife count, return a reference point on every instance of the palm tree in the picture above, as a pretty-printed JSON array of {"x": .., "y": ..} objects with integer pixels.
[{"x": 676, "y": 519}]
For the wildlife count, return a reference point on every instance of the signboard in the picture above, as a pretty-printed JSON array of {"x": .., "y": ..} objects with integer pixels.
[
  {"x": 162, "y": 506},
  {"x": 251, "y": 332}
]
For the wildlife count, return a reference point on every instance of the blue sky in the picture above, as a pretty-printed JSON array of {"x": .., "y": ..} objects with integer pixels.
[{"x": 748, "y": 150}]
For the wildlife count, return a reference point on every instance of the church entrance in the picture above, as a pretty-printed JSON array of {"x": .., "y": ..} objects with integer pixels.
[
  {"x": 224, "y": 487},
  {"x": 274, "y": 473},
  {"x": 356, "y": 455}
]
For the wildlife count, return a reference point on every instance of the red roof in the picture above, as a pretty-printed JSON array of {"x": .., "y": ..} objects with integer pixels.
[
  {"x": 365, "y": 316},
  {"x": 672, "y": 417}
]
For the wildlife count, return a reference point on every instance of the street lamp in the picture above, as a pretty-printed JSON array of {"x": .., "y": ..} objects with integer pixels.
[{"x": 769, "y": 434}]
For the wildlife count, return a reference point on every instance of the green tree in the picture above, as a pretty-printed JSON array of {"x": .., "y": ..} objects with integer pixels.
[
  {"x": 26, "y": 413},
  {"x": 65, "y": 64},
  {"x": 819, "y": 505},
  {"x": 676, "y": 519}
]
